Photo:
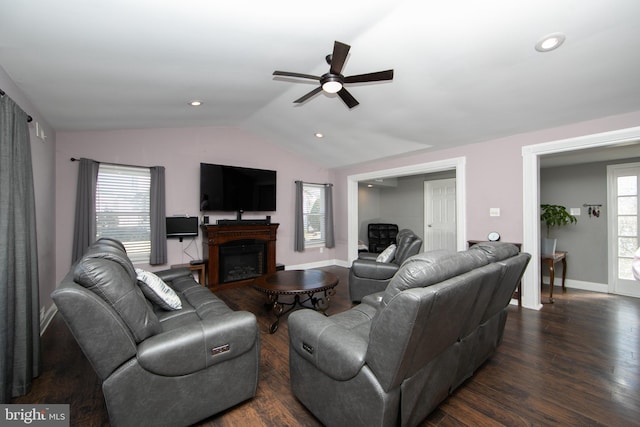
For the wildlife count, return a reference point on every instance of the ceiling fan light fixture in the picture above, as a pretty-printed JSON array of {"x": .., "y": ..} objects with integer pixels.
[
  {"x": 332, "y": 86},
  {"x": 550, "y": 42},
  {"x": 333, "y": 81}
]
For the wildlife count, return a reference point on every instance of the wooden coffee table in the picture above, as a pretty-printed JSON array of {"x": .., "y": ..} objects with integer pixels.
[{"x": 310, "y": 289}]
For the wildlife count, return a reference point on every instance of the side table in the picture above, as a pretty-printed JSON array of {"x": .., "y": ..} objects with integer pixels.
[
  {"x": 549, "y": 261},
  {"x": 200, "y": 268}
]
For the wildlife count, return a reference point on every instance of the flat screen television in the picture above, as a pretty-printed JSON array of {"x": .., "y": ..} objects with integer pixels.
[
  {"x": 236, "y": 189},
  {"x": 182, "y": 226}
]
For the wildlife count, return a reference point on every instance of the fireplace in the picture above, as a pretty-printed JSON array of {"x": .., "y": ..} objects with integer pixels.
[
  {"x": 241, "y": 259},
  {"x": 227, "y": 236}
]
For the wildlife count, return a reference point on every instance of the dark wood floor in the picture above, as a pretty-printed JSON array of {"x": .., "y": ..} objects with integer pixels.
[{"x": 574, "y": 363}]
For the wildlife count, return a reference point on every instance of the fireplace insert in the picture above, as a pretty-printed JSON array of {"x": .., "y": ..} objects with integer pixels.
[{"x": 241, "y": 259}]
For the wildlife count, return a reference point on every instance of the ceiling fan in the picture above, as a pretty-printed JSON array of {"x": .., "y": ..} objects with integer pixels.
[{"x": 333, "y": 81}]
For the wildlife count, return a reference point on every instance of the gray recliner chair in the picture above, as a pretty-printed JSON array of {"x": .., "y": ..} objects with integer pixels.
[
  {"x": 368, "y": 276},
  {"x": 158, "y": 367}
]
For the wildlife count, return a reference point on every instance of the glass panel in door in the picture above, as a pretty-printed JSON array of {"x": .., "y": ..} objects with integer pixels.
[{"x": 624, "y": 185}]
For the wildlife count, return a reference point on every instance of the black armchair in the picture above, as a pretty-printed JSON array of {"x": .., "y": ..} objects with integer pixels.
[
  {"x": 381, "y": 236},
  {"x": 368, "y": 276}
]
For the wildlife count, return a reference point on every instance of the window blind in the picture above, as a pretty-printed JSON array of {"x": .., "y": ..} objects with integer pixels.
[
  {"x": 122, "y": 208},
  {"x": 313, "y": 210}
]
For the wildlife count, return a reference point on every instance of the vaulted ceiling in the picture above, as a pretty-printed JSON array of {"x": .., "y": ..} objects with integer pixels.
[{"x": 465, "y": 70}]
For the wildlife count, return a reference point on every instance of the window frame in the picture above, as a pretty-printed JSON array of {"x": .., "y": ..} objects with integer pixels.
[
  {"x": 307, "y": 206},
  {"x": 123, "y": 193}
]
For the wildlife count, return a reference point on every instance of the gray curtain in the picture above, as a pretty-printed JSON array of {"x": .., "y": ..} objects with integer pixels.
[
  {"x": 328, "y": 212},
  {"x": 84, "y": 231},
  {"x": 19, "y": 298},
  {"x": 158, "y": 215},
  {"x": 298, "y": 244}
]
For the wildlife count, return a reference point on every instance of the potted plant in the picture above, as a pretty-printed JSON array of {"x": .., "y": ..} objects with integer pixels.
[{"x": 554, "y": 216}]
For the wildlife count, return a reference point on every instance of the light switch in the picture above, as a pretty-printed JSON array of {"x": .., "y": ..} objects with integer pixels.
[
  {"x": 574, "y": 211},
  {"x": 494, "y": 211}
]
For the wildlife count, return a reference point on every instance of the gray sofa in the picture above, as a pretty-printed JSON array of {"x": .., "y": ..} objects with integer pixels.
[
  {"x": 393, "y": 358},
  {"x": 158, "y": 367},
  {"x": 367, "y": 276}
]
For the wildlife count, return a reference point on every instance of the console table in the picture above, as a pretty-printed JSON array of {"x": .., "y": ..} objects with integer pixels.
[
  {"x": 549, "y": 261},
  {"x": 215, "y": 235}
]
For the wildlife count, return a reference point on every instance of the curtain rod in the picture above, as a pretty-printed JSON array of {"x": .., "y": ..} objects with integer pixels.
[
  {"x": 29, "y": 118},
  {"x": 73, "y": 159},
  {"x": 316, "y": 183}
]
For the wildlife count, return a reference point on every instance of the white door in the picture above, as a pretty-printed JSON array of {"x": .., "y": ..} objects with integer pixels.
[
  {"x": 623, "y": 185},
  {"x": 440, "y": 214}
]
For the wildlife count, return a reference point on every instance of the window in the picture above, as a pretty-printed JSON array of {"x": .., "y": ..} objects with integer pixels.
[
  {"x": 122, "y": 208},
  {"x": 313, "y": 212}
]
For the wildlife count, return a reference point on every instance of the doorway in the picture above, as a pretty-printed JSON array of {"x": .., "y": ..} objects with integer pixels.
[
  {"x": 440, "y": 214},
  {"x": 531, "y": 198},
  {"x": 457, "y": 164},
  {"x": 623, "y": 183}
]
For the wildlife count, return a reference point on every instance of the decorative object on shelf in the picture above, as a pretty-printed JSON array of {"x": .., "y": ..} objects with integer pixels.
[
  {"x": 554, "y": 216},
  {"x": 494, "y": 236},
  {"x": 594, "y": 209}
]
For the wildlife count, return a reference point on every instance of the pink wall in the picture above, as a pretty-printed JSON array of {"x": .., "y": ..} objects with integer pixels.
[
  {"x": 493, "y": 171},
  {"x": 494, "y": 177},
  {"x": 180, "y": 151}
]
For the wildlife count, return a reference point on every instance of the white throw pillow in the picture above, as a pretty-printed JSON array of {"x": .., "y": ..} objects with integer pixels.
[
  {"x": 157, "y": 291},
  {"x": 388, "y": 254}
]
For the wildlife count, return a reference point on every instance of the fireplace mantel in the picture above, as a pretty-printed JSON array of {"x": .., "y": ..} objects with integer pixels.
[{"x": 216, "y": 235}]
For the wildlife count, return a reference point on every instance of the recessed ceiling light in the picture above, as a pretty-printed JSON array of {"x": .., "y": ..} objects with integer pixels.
[
  {"x": 195, "y": 103},
  {"x": 318, "y": 135},
  {"x": 550, "y": 42}
]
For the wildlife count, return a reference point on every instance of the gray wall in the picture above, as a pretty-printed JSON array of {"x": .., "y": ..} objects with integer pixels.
[
  {"x": 585, "y": 242},
  {"x": 402, "y": 204},
  {"x": 368, "y": 210}
]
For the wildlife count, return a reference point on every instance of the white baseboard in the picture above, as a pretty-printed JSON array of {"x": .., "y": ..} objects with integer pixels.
[
  {"x": 319, "y": 264},
  {"x": 47, "y": 317},
  {"x": 579, "y": 284}
]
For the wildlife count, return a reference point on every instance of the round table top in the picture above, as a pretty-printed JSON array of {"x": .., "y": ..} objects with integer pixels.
[{"x": 296, "y": 282}]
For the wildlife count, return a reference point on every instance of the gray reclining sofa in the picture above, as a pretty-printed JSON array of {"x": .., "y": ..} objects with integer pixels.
[
  {"x": 393, "y": 358},
  {"x": 158, "y": 367}
]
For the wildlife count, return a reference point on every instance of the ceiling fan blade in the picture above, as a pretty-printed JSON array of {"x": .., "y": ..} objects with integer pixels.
[
  {"x": 347, "y": 98},
  {"x": 300, "y": 75},
  {"x": 308, "y": 95},
  {"x": 340, "y": 52},
  {"x": 370, "y": 77}
]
